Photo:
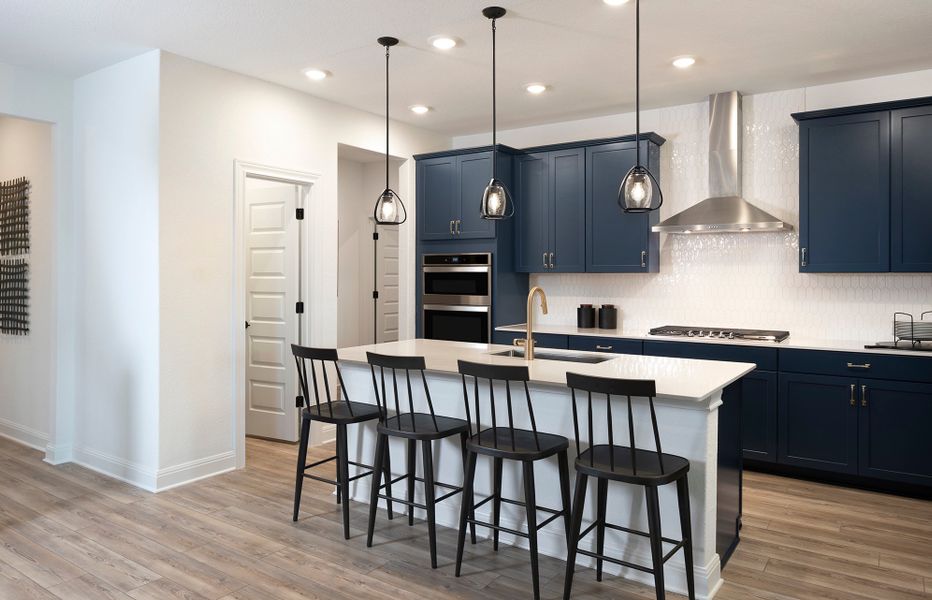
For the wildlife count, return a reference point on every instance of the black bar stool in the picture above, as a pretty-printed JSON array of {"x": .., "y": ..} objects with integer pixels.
[
  {"x": 338, "y": 412},
  {"x": 415, "y": 427},
  {"x": 627, "y": 464},
  {"x": 527, "y": 446}
]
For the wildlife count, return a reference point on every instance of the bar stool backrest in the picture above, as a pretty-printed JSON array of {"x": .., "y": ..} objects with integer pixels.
[
  {"x": 394, "y": 364},
  {"x": 325, "y": 356},
  {"x": 507, "y": 374},
  {"x": 638, "y": 388}
]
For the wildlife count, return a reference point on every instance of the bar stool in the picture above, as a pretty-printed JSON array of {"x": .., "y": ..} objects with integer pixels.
[
  {"x": 414, "y": 427},
  {"x": 338, "y": 412},
  {"x": 627, "y": 464},
  {"x": 500, "y": 443}
]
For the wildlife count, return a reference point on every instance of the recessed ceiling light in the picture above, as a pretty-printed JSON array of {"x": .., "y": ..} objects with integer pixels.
[
  {"x": 536, "y": 88},
  {"x": 615, "y": 2},
  {"x": 684, "y": 62},
  {"x": 316, "y": 74},
  {"x": 419, "y": 109},
  {"x": 443, "y": 42}
]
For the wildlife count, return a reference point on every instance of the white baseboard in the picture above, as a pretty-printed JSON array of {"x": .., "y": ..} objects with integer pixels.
[
  {"x": 194, "y": 470},
  {"x": 59, "y": 455},
  {"x": 24, "y": 435},
  {"x": 116, "y": 467}
]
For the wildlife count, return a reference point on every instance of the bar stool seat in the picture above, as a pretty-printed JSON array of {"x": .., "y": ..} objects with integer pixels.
[
  {"x": 422, "y": 426},
  {"x": 343, "y": 412},
  {"x": 647, "y": 471},
  {"x": 498, "y": 442}
]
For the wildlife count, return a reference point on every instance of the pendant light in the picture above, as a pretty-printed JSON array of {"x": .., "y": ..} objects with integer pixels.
[
  {"x": 496, "y": 201},
  {"x": 389, "y": 209},
  {"x": 639, "y": 189}
]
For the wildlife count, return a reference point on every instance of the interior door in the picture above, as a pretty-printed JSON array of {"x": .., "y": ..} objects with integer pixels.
[
  {"x": 272, "y": 280},
  {"x": 388, "y": 281}
]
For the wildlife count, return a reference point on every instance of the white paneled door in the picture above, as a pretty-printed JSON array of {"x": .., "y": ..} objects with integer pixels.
[
  {"x": 272, "y": 291},
  {"x": 388, "y": 281}
]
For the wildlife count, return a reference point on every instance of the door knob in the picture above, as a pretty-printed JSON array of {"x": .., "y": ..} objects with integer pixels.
[{"x": 247, "y": 324}]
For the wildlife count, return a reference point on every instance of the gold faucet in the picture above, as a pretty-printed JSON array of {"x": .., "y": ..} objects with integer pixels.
[{"x": 529, "y": 341}]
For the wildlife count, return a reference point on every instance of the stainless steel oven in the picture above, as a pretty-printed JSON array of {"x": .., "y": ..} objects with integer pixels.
[{"x": 457, "y": 297}]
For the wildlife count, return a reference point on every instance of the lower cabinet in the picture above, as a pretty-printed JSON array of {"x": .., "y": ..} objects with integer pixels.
[
  {"x": 591, "y": 343},
  {"x": 759, "y": 416},
  {"x": 893, "y": 425},
  {"x": 541, "y": 340},
  {"x": 818, "y": 422}
]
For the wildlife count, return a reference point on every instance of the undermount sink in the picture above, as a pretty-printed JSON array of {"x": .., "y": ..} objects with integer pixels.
[{"x": 579, "y": 357}]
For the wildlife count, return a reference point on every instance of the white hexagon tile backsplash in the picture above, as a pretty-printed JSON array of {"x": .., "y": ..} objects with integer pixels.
[{"x": 740, "y": 280}]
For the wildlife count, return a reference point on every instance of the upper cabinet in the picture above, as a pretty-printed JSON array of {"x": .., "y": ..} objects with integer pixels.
[
  {"x": 865, "y": 189},
  {"x": 550, "y": 211},
  {"x": 449, "y": 190}
]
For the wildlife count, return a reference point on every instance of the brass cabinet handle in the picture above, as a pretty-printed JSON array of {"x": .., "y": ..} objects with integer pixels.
[
  {"x": 863, "y": 395},
  {"x": 545, "y": 260},
  {"x": 804, "y": 261},
  {"x": 551, "y": 260},
  {"x": 643, "y": 258},
  {"x": 598, "y": 347},
  {"x": 451, "y": 226},
  {"x": 856, "y": 366},
  {"x": 852, "y": 400},
  {"x": 456, "y": 227}
]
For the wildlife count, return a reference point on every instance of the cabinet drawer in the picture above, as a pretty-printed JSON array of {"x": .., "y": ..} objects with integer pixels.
[
  {"x": 590, "y": 343},
  {"x": 857, "y": 364},
  {"x": 764, "y": 358},
  {"x": 542, "y": 340}
]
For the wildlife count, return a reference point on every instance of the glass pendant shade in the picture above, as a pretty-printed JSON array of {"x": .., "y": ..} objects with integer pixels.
[
  {"x": 389, "y": 210},
  {"x": 496, "y": 201},
  {"x": 639, "y": 191}
]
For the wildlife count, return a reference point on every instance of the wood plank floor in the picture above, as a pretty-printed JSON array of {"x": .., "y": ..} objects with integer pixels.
[{"x": 69, "y": 533}]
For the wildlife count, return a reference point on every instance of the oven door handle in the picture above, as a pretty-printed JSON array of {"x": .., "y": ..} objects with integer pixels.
[
  {"x": 456, "y": 308},
  {"x": 444, "y": 269}
]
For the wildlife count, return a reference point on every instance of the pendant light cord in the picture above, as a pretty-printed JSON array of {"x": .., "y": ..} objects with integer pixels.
[
  {"x": 637, "y": 78},
  {"x": 386, "y": 117},
  {"x": 494, "y": 113}
]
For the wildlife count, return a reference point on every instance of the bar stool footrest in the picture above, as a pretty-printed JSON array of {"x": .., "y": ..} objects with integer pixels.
[{"x": 677, "y": 544}]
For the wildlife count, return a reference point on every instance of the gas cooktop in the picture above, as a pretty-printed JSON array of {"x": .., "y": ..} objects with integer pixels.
[{"x": 722, "y": 333}]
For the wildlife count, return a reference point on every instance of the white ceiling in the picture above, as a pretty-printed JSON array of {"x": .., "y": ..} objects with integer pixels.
[{"x": 582, "y": 48}]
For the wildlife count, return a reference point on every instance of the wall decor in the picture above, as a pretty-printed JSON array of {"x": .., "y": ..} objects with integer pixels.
[{"x": 14, "y": 257}]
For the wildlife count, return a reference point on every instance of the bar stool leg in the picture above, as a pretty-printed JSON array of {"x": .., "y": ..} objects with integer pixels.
[
  {"x": 343, "y": 465},
  {"x": 302, "y": 463},
  {"x": 430, "y": 501},
  {"x": 497, "y": 499},
  {"x": 530, "y": 499},
  {"x": 565, "y": 493},
  {"x": 656, "y": 542},
  {"x": 412, "y": 472},
  {"x": 338, "y": 472},
  {"x": 387, "y": 469},
  {"x": 579, "y": 502},
  {"x": 682, "y": 492},
  {"x": 466, "y": 508},
  {"x": 380, "y": 454},
  {"x": 464, "y": 438},
  {"x": 602, "y": 501}
]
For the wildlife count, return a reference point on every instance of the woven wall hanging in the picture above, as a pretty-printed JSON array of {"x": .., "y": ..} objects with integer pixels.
[{"x": 14, "y": 257}]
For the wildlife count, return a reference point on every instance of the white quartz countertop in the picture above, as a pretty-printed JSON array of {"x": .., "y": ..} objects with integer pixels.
[
  {"x": 676, "y": 378},
  {"x": 799, "y": 343}
]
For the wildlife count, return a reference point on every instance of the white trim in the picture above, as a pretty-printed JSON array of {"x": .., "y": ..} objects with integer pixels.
[
  {"x": 195, "y": 470},
  {"x": 244, "y": 169},
  {"x": 58, "y": 454},
  {"x": 116, "y": 467},
  {"x": 22, "y": 434}
]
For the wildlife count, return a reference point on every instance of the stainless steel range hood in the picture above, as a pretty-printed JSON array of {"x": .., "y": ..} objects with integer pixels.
[{"x": 725, "y": 210}]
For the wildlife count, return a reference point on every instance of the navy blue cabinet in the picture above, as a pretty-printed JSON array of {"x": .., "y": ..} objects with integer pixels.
[
  {"x": 550, "y": 211},
  {"x": 844, "y": 193},
  {"x": 541, "y": 340},
  {"x": 591, "y": 343},
  {"x": 911, "y": 189},
  {"x": 618, "y": 242},
  {"x": 894, "y": 419},
  {"x": 449, "y": 190},
  {"x": 759, "y": 416},
  {"x": 818, "y": 422}
]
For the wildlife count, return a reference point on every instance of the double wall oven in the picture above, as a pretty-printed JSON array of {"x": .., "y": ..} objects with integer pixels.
[{"x": 457, "y": 297}]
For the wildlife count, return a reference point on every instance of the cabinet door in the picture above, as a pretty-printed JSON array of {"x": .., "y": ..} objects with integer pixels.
[
  {"x": 474, "y": 173},
  {"x": 759, "y": 416},
  {"x": 532, "y": 189},
  {"x": 437, "y": 197},
  {"x": 818, "y": 422},
  {"x": 911, "y": 190},
  {"x": 844, "y": 193},
  {"x": 616, "y": 242},
  {"x": 568, "y": 210},
  {"x": 894, "y": 431}
]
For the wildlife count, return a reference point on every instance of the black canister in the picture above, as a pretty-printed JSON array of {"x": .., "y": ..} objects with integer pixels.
[
  {"x": 608, "y": 317},
  {"x": 585, "y": 316}
]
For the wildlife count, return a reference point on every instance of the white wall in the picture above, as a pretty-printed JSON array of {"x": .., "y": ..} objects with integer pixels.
[
  {"x": 210, "y": 118},
  {"x": 25, "y": 387},
  {"x": 737, "y": 280},
  {"x": 117, "y": 187},
  {"x": 48, "y": 98}
]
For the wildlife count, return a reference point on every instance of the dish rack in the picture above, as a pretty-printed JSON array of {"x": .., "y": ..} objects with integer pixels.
[{"x": 911, "y": 330}]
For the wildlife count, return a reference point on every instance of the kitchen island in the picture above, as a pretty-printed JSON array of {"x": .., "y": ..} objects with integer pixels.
[{"x": 688, "y": 403}]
